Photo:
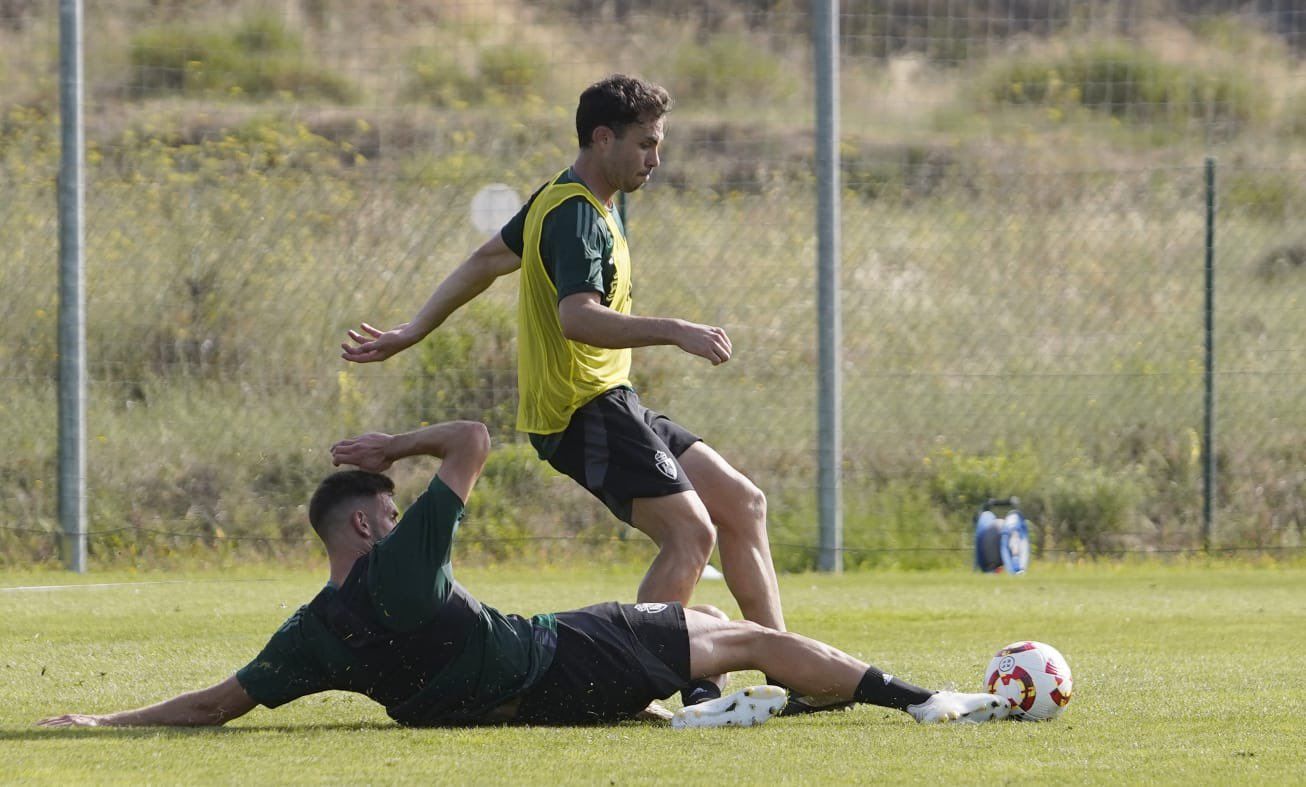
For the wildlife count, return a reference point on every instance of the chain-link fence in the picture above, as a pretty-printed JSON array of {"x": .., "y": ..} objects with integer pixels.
[{"x": 1023, "y": 287}]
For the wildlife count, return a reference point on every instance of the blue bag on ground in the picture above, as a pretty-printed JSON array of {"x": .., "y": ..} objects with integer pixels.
[{"x": 1001, "y": 543}]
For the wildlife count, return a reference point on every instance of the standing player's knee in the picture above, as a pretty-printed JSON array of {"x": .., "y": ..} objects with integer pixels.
[
  {"x": 695, "y": 541},
  {"x": 691, "y": 543},
  {"x": 754, "y": 502},
  {"x": 747, "y": 512}
]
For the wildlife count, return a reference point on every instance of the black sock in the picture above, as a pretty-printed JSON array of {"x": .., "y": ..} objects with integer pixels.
[
  {"x": 700, "y": 690},
  {"x": 877, "y": 688}
]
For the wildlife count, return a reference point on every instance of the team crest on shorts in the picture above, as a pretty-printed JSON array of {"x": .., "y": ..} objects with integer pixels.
[
  {"x": 650, "y": 608},
  {"x": 665, "y": 464}
]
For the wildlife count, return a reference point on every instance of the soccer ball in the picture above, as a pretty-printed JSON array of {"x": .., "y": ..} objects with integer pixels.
[{"x": 1033, "y": 677}]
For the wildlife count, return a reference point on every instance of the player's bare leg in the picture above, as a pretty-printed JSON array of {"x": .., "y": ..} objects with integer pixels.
[
  {"x": 803, "y": 664},
  {"x": 816, "y": 669},
  {"x": 738, "y": 510},
  {"x": 680, "y": 526},
  {"x": 707, "y": 688}
]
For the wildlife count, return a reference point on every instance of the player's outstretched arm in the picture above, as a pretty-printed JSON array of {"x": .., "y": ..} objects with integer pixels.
[
  {"x": 585, "y": 319},
  {"x": 462, "y": 447},
  {"x": 215, "y": 705},
  {"x": 492, "y": 260}
]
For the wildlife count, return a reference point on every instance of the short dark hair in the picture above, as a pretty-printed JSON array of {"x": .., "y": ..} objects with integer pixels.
[
  {"x": 617, "y": 102},
  {"x": 343, "y": 487}
]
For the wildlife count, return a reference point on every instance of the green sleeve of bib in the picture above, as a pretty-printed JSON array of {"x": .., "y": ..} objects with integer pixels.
[{"x": 575, "y": 245}]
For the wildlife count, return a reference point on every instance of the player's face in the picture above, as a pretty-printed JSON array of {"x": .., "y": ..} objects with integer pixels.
[
  {"x": 633, "y": 156},
  {"x": 383, "y": 516}
]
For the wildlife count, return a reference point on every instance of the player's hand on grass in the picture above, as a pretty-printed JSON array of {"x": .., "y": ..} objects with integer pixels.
[
  {"x": 706, "y": 341},
  {"x": 72, "y": 720},
  {"x": 372, "y": 344},
  {"x": 366, "y": 452}
]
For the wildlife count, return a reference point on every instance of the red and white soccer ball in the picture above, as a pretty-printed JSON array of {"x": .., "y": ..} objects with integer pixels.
[{"x": 1033, "y": 677}]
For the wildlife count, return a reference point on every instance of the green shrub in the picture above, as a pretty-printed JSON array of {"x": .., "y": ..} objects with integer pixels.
[
  {"x": 1167, "y": 461},
  {"x": 1130, "y": 84},
  {"x": 498, "y": 525},
  {"x": 729, "y": 67},
  {"x": 899, "y": 525},
  {"x": 437, "y": 78},
  {"x": 506, "y": 72},
  {"x": 233, "y": 157},
  {"x": 512, "y": 71},
  {"x": 896, "y": 524},
  {"x": 1269, "y": 194},
  {"x": 258, "y": 57},
  {"x": 897, "y": 172},
  {"x": 467, "y": 371},
  {"x": 265, "y": 34},
  {"x": 960, "y": 483},
  {"x": 1294, "y": 116},
  {"x": 1086, "y": 508},
  {"x": 29, "y": 480},
  {"x": 1239, "y": 37},
  {"x": 792, "y": 527}
]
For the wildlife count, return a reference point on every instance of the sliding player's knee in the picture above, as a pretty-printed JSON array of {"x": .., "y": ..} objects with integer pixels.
[
  {"x": 708, "y": 609},
  {"x": 753, "y": 638},
  {"x": 767, "y": 644},
  {"x": 732, "y": 645}
]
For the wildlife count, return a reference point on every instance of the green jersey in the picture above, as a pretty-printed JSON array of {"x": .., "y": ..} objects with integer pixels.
[{"x": 440, "y": 667}]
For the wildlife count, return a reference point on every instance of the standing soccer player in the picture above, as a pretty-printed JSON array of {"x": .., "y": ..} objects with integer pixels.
[{"x": 575, "y": 333}]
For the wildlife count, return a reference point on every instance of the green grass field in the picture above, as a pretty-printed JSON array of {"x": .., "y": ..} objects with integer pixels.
[{"x": 1183, "y": 674}]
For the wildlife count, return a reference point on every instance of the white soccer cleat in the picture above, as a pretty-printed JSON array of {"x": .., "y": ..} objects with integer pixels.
[
  {"x": 744, "y": 708},
  {"x": 955, "y": 707}
]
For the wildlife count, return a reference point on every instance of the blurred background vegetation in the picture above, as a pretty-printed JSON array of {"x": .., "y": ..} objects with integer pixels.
[{"x": 1022, "y": 276}]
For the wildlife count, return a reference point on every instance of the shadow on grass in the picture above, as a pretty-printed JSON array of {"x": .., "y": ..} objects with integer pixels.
[{"x": 49, "y": 733}]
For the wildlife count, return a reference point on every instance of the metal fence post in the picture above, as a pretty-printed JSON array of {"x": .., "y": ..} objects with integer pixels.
[
  {"x": 1208, "y": 414},
  {"x": 825, "y": 21},
  {"x": 72, "y": 298}
]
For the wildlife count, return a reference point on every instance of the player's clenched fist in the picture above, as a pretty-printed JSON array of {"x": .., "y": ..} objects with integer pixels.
[
  {"x": 706, "y": 341},
  {"x": 366, "y": 452}
]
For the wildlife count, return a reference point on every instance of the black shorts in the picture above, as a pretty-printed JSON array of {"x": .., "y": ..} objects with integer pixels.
[
  {"x": 620, "y": 450},
  {"x": 612, "y": 661}
]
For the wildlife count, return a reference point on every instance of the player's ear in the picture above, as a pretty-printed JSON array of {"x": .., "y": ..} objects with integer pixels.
[
  {"x": 602, "y": 135},
  {"x": 358, "y": 524}
]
